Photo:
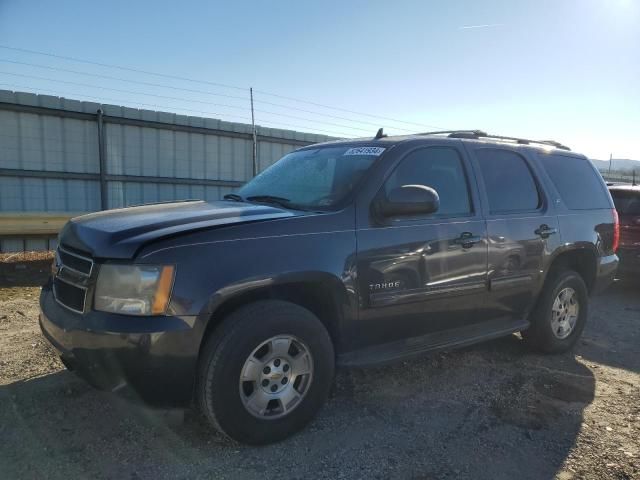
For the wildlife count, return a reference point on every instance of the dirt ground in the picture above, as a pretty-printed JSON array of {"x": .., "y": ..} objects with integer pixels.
[{"x": 492, "y": 411}]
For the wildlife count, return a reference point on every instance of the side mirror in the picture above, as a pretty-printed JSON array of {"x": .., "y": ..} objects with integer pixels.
[{"x": 410, "y": 200}]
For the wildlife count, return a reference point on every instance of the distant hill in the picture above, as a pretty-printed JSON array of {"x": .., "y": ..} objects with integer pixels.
[{"x": 618, "y": 164}]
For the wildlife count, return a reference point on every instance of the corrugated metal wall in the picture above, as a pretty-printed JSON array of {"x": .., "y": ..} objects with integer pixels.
[{"x": 50, "y": 157}]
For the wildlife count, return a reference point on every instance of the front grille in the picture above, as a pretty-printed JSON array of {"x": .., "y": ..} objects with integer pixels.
[
  {"x": 71, "y": 281},
  {"x": 71, "y": 296},
  {"x": 74, "y": 261}
]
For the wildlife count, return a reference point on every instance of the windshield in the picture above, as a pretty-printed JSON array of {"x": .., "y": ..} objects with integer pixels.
[
  {"x": 627, "y": 203},
  {"x": 312, "y": 179}
]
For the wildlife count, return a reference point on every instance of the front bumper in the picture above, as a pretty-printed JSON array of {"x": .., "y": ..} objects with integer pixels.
[{"x": 155, "y": 358}]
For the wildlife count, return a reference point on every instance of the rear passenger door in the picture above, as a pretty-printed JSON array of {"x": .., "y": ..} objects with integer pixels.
[{"x": 522, "y": 229}]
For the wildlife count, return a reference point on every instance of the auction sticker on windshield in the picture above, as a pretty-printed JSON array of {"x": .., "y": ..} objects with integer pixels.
[{"x": 375, "y": 151}]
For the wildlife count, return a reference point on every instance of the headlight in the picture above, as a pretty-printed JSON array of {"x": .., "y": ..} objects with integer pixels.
[{"x": 134, "y": 289}]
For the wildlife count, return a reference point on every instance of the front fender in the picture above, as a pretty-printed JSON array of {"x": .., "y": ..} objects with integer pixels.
[
  {"x": 255, "y": 284},
  {"x": 210, "y": 273}
]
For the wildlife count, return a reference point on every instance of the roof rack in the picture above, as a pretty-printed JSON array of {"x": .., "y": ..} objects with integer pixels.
[{"x": 478, "y": 134}]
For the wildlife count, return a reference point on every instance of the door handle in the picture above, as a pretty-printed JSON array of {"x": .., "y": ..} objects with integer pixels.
[
  {"x": 467, "y": 240},
  {"x": 545, "y": 231}
]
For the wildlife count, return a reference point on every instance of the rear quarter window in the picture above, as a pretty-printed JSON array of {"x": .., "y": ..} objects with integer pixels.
[{"x": 577, "y": 181}]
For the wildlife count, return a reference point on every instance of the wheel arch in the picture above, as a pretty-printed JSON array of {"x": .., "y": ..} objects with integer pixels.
[
  {"x": 324, "y": 294},
  {"x": 581, "y": 258}
]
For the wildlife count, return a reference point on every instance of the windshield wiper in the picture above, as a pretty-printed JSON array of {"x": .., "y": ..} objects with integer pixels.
[
  {"x": 280, "y": 201},
  {"x": 233, "y": 196},
  {"x": 283, "y": 202}
]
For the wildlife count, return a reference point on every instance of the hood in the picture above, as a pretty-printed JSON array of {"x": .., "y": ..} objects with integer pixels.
[{"x": 120, "y": 233}]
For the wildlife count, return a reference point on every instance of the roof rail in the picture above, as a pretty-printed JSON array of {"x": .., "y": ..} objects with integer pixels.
[{"x": 478, "y": 134}]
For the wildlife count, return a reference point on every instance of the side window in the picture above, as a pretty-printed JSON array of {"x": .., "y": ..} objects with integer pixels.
[
  {"x": 577, "y": 182},
  {"x": 440, "y": 168},
  {"x": 508, "y": 181}
]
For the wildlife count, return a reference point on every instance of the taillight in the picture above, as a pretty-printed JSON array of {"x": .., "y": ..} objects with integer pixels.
[{"x": 616, "y": 231}]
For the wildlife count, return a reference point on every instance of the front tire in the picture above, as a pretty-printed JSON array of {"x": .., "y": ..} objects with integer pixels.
[
  {"x": 265, "y": 372},
  {"x": 560, "y": 315}
]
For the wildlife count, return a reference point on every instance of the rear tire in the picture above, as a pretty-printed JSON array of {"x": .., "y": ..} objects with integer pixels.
[
  {"x": 265, "y": 372},
  {"x": 560, "y": 315}
]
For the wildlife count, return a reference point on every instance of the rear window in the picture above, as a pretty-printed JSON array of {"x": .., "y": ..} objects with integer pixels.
[
  {"x": 627, "y": 203},
  {"x": 578, "y": 183}
]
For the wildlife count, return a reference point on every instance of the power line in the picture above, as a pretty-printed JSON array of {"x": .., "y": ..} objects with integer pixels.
[
  {"x": 376, "y": 124},
  {"x": 79, "y": 84},
  {"x": 59, "y": 92},
  {"x": 164, "y": 107},
  {"x": 313, "y": 120},
  {"x": 346, "y": 110},
  {"x": 109, "y": 77},
  {"x": 202, "y": 92},
  {"x": 128, "y": 69},
  {"x": 176, "y": 77}
]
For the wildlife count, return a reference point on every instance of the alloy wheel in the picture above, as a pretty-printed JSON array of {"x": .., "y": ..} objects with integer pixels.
[
  {"x": 276, "y": 376},
  {"x": 564, "y": 313}
]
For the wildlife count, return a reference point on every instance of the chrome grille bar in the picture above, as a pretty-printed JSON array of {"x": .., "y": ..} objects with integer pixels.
[{"x": 71, "y": 279}]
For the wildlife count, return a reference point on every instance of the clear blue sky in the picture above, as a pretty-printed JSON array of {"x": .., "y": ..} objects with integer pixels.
[{"x": 562, "y": 69}]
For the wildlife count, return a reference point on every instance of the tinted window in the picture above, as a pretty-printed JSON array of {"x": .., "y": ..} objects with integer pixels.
[
  {"x": 627, "y": 203},
  {"x": 439, "y": 168},
  {"x": 508, "y": 181},
  {"x": 577, "y": 182}
]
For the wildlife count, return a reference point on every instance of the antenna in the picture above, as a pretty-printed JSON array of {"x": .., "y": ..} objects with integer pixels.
[{"x": 380, "y": 134}]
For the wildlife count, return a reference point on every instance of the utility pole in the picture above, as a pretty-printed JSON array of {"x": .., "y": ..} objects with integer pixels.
[
  {"x": 102, "y": 161},
  {"x": 610, "y": 162},
  {"x": 255, "y": 136}
]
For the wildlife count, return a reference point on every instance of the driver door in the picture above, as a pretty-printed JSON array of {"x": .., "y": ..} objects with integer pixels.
[{"x": 423, "y": 274}]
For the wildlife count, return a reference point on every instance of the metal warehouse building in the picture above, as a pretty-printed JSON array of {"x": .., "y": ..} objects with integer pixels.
[{"x": 60, "y": 158}]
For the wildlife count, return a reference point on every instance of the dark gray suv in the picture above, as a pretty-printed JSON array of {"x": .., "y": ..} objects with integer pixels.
[{"x": 348, "y": 253}]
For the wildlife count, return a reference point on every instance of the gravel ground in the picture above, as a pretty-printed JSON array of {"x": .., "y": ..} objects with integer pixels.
[{"x": 491, "y": 411}]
